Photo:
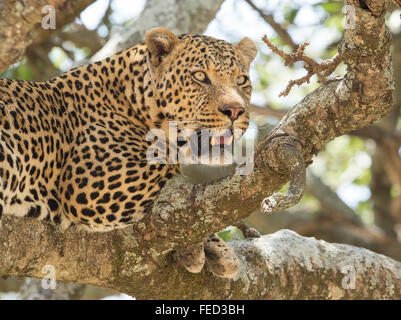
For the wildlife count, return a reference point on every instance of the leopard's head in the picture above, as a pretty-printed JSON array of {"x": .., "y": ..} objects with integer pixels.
[{"x": 202, "y": 86}]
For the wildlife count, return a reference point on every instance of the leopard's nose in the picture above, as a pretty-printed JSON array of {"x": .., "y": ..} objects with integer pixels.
[{"x": 233, "y": 112}]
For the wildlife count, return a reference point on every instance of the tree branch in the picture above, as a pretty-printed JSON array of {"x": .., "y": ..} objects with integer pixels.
[
  {"x": 20, "y": 24},
  {"x": 283, "y": 265}
]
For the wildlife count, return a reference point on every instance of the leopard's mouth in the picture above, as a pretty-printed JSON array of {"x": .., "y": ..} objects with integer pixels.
[
  {"x": 207, "y": 146},
  {"x": 221, "y": 140}
]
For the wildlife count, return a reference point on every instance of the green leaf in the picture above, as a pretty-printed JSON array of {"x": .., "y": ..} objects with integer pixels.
[{"x": 231, "y": 233}]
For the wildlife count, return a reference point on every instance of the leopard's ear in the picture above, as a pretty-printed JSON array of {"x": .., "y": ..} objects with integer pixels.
[
  {"x": 248, "y": 50},
  {"x": 160, "y": 42}
]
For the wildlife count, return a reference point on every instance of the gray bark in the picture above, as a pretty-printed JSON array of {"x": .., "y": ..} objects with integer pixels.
[{"x": 282, "y": 265}]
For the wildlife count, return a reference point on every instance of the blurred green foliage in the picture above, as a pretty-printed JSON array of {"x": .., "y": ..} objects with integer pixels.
[{"x": 231, "y": 233}]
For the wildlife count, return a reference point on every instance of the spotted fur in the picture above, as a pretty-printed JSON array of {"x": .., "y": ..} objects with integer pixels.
[{"x": 73, "y": 149}]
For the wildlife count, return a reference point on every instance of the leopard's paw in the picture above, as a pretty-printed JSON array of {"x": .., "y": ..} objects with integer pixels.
[
  {"x": 220, "y": 258},
  {"x": 191, "y": 257}
]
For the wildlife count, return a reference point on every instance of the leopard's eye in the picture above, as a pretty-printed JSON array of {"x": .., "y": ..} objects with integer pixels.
[
  {"x": 200, "y": 76},
  {"x": 242, "y": 80}
]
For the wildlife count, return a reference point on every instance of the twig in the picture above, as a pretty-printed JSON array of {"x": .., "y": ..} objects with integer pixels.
[{"x": 322, "y": 70}]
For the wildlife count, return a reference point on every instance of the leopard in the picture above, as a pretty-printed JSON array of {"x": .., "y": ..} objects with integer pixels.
[{"x": 74, "y": 150}]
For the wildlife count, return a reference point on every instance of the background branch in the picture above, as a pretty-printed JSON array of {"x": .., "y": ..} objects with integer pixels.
[
  {"x": 190, "y": 17},
  {"x": 20, "y": 24}
]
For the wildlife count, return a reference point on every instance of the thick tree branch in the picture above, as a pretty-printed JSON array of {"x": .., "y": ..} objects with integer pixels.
[
  {"x": 278, "y": 266},
  {"x": 322, "y": 69},
  {"x": 139, "y": 263},
  {"x": 329, "y": 227}
]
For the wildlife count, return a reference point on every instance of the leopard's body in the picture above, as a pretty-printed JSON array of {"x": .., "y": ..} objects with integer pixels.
[{"x": 73, "y": 149}]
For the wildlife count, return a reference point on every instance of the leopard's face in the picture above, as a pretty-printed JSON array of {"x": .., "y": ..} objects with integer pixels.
[{"x": 202, "y": 88}]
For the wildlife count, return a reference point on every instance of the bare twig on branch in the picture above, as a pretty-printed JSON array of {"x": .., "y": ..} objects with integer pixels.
[{"x": 322, "y": 70}]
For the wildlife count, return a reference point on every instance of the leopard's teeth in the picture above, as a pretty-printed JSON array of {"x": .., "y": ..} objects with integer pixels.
[
  {"x": 213, "y": 141},
  {"x": 230, "y": 140}
]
